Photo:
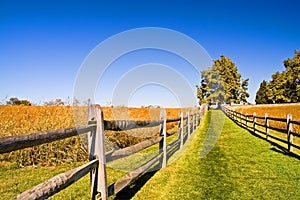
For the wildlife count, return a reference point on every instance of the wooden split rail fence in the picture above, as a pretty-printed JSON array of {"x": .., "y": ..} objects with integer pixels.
[
  {"x": 261, "y": 124},
  {"x": 98, "y": 158}
]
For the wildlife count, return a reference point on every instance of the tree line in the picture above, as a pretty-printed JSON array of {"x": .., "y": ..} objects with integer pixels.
[
  {"x": 222, "y": 83},
  {"x": 24, "y": 102},
  {"x": 284, "y": 86}
]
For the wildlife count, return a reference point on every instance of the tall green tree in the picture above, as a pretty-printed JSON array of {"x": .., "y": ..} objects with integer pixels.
[
  {"x": 211, "y": 89},
  {"x": 262, "y": 94},
  {"x": 284, "y": 86},
  {"x": 292, "y": 75},
  {"x": 231, "y": 79},
  {"x": 222, "y": 83},
  {"x": 244, "y": 91}
]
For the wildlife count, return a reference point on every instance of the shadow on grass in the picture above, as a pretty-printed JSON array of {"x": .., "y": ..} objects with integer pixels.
[
  {"x": 278, "y": 149},
  {"x": 129, "y": 191}
]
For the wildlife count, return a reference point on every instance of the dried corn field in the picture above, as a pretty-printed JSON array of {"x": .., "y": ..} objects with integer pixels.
[{"x": 16, "y": 120}]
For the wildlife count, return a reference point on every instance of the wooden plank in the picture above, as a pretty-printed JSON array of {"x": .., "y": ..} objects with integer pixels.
[
  {"x": 259, "y": 117},
  {"x": 57, "y": 183},
  {"x": 181, "y": 129},
  {"x": 267, "y": 125},
  {"x": 261, "y": 125},
  {"x": 278, "y": 129},
  {"x": 277, "y": 119},
  {"x": 289, "y": 130},
  {"x": 296, "y": 146},
  {"x": 12, "y": 143},
  {"x": 130, "y": 177},
  {"x": 279, "y": 139},
  {"x": 295, "y": 134},
  {"x": 163, "y": 143},
  {"x": 91, "y": 148},
  {"x": 173, "y": 144},
  {"x": 118, "y": 125},
  {"x": 295, "y": 122},
  {"x": 100, "y": 153},
  {"x": 188, "y": 124},
  {"x": 254, "y": 122},
  {"x": 173, "y": 120},
  {"x": 132, "y": 149}
]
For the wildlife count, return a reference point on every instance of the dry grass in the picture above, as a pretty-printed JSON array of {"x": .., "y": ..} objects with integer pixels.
[
  {"x": 16, "y": 120},
  {"x": 277, "y": 111},
  {"x": 273, "y": 110}
]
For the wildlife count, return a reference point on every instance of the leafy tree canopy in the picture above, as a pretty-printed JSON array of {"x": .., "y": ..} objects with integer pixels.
[
  {"x": 284, "y": 86},
  {"x": 222, "y": 83}
]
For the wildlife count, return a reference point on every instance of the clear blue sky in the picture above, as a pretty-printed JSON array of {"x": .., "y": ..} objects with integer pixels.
[{"x": 43, "y": 43}]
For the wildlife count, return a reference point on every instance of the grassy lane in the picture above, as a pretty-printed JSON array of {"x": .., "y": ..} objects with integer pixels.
[{"x": 240, "y": 166}]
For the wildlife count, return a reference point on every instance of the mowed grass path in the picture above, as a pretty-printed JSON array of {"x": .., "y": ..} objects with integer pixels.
[{"x": 240, "y": 166}]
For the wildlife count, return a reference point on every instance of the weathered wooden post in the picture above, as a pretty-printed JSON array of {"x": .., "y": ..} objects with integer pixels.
[
  {"x": 241, "y": 115},
  {"x": 254, "y": 122},
  {"x": 163, "y": 142},
  {"x": 267, "y": 125},
  {"x": 246, "y": 120},
  {"x": 188, "y": 124},
  {"x": 97, "y": 151},
  {"x": 289, "y": 132},
  {"x": 181, "y": 129},
  {"x": 91, "y": 139}
]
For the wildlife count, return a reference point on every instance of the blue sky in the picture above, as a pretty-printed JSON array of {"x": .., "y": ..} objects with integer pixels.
[{"x": 43, "y": 43}]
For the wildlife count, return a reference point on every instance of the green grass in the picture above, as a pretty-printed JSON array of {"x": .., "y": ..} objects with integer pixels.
[
  {"x": 240, "y": 166},
  {"x": 14, "y": 180}
]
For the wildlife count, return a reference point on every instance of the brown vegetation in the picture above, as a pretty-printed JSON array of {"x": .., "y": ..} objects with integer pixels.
[{"x": 28, "y": 119}]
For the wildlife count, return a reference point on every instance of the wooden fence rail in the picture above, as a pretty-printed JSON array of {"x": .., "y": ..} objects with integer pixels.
[
  {"x": 98, "y": 159},
  {"x": 244, "y": 120}
]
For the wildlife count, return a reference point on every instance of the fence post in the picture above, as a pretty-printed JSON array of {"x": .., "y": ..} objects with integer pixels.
[
  {"x": 97, "y": 151},
  {"x": 188, "y": 124},
  {"x": 246, "y": 120},
  {"x": 91, "y": 138},
  {"x": 267, "y": 125},
  {"x": 254, "y": 122},
  {"x": 181, "y": 129},
  {"x": 163, "y": 142},
  {"x": 289, "y": 131},
  {"x": 100, "y": 150},
  {"x": 241, "y": 117}
]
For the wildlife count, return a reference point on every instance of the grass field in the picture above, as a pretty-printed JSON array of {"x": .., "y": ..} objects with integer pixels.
[
  {"x": 278, "y": 111},
  {"x": 16, "y": 120},
  {"x": 240, "y": 166}
]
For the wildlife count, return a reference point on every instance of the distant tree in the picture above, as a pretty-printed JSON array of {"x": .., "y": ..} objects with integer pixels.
[
  {"x": 262, "y": 94},
  {"x": 222, "y": 83},
  {"x": 56, "y": 102},
  {"x": 244, "y": 91},
  {"x": 16, "y": 101},
  {"x": 211, "y": 89}
]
